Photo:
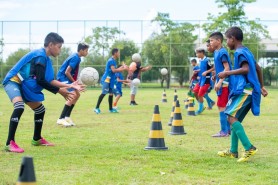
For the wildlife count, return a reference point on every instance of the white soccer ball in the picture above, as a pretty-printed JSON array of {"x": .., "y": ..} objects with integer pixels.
[
  {"x": 136, "y": 57},
  {"x": 164, "y": 71},
  {"x": 136, "y": 82},
  {"x": 89, "y": 76}
]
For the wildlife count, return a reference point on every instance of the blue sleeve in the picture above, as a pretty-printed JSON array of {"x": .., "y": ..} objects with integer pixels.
[
  {"x": 241, "y": 58},
  {"x": 117, "y": 75},
  {"x": 196, "y": 68},
  {"x": 111, "y": 63},
  {"x": 40, "y": 61},
  {"x": 224, "y": 58}
]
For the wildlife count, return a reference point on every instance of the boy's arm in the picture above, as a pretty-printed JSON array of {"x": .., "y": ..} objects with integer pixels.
[
  {"x": 208, "y": 71},
  {"x": 221, "y": 80},
  {"x": 243, "y": 70},
  {"x": 68, "y": 74},
  {"x": 260, "y": 77},
  {"x": 146, "y": 68},
  {"x": 120, "y": 69}
]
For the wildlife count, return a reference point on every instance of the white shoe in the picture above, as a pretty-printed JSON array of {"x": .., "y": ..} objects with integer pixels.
[
  {"x": 69, "y": 120},
  {"x": 63, "y": 122}
]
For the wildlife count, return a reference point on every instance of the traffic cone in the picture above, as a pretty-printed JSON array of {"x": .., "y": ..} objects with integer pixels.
[
  {"x": 177, "y": 125},
  {"x": 186, "y": 102},
  {"x": 156, "y": 137},
  {"x": 173, "y": 109},
  {"x": 191, "y": 109},
  {"x": 164, "y": 98},
  {"x": 27, "y": 173},
  {"x": 175, "y": 92}
]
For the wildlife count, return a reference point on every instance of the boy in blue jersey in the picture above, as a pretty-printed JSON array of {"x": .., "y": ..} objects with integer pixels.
[
  {"x": 25, "y": 82},
  {"x": 201, "y": 88},
  {"x": 195, "y": 77},
  {"x": 68, "y": 74},
  {"x": 246, "y": 89},
  {"x": 108, "y": 80},
  {"x": 117, "y": 91},
  {"x": 221, "y": 63}
]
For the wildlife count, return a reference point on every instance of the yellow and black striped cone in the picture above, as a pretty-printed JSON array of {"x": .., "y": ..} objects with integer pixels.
[
  {"x": 172, "y": 112},
  {"x": 27, "y": 172},
  {"x": 191, "y": 109},
  {"x": 164, "y": 98},
  {"x": 177, "y": 125},
  {"x": 186, "y": 102},
  {"x": 156, "y": 136}
]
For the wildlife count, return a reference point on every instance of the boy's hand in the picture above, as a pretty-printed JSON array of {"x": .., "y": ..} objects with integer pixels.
[
  {"x": 217, "y": 86},
  {"x": 213, "y": 78},
  {"x": 222, "y": 74},
  {"x": 264, "y": 92},
  {"x": 204, "y": 73},
  {"x": 79, "y": 87},
  {"x": 66, "y": 94}
]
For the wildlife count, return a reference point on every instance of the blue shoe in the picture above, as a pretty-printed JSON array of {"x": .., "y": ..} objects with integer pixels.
[
  {"x": 113, "y": 111},
  {"x": 200, "y": 111},
  {"x": 97, "y": 111}
]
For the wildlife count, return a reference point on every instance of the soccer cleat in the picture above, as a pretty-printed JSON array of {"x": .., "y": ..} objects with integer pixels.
[
  {"x": 227, "y": 153},
  {"x": 69, "y": 120},
  {"x": 97, "y": 110},
  {"x": 13, "y": 147},
  {"x": 63, "y": 122},
  {"x": 41, "y": 142},
  {"x": 113, "y": 111},
  {"x": 133, "y": 103},
  {"x": 221, "y": 134},
  {"x": 199, "y": 112},
  {"x": 247, "y": 154}
]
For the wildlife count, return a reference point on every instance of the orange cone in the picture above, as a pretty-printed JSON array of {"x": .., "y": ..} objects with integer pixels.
[
  {"x": 177, "y": 125},
  {"x": 164, "y": 98},
  {"x": 27, "y": 172},
  {"x": 191, "y": 109},
  {"x": 173, "y": 109},
  {"x": 156, "y": 136}
]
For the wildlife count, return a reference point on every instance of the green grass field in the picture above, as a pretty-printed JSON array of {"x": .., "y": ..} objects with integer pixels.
[{"x": 109, "y": 148}]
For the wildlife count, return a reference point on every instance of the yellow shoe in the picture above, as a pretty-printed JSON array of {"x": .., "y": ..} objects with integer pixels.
[
  {"x": 227, "y": 153},
  {"x": 247, "y": 154}
]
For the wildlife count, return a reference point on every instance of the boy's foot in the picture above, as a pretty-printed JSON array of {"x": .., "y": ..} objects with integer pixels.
[
  {"x": 13, "y": 147},
  {"x": 200, "y": 111},
  {"x": 113, "y": 111},
  {"x": 41, "y": 142},
  {"x": 97, "y": 110},
  {"x": 227, "y": 153},
  {"x": 221, "y": 134},
  {"x": 63, "y": 122},
  {"x": 117, "y": 108},
  {"x": 133, "y": 103},
  {"x": 69, "y": 120},
  {"x": 247, "y": 154}
]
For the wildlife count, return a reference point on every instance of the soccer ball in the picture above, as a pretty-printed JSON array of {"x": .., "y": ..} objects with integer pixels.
[
  {"x": 136, "y": 82},
  {"x": 164, "y": 71},
  {"x": 89, "y": 76},
  {"x": 136, "y": 57}
]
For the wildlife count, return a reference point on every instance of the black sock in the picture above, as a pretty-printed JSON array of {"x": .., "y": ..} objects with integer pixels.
[
  {"x": 65, "y": 110},
  {"x": 38, "y": 119},
  {"x": 68, "y": 113},
  {"x": 100, "y": 98},
  {"x": 110, "y": 101},
  {"x": 15, "y": 117}
]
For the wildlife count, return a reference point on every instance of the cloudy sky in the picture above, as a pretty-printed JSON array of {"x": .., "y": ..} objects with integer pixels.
[{"x": 42, "y": 10}]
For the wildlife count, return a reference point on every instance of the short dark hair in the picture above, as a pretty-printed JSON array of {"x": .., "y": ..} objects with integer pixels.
[
  {"x": 115, "y": 50},
  {"x": 234, "y": 32},
  {"x": 193, "y": 60},
  {"x": 55, "y": 38},
  {"x": 208, "y": 41},
  {"x": 217, "y": 35},
  {"x": 82, "y": 46},
  {"x": 200, "y": 50}
]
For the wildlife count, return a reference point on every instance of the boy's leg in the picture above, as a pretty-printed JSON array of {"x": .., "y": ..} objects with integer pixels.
[
  {"x": 72, "y": 103},
  {"x": 116, "y": 100},
  {"x": 105, "y": 90},
  {"x": 133, "y": 92},
  {"x": 202, "y": 91}
]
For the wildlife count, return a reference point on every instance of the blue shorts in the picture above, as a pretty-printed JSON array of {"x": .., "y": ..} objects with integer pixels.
[
  {"x": 239, "y": 105},
  {"x": 106, "y": 88},
  {"x": 13, "y": 89},
  {"x": 117, "y": 91}
]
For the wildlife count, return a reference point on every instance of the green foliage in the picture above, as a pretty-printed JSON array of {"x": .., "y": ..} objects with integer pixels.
[
  {"x": 127, "y": 49},
  {"x": 102, "y": 38},
  {"x": 172, "y": 47},
  {"x": 234, "y": 15}
]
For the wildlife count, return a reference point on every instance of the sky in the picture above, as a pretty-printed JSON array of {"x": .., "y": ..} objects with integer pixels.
[{"x": 42, "y": 10}]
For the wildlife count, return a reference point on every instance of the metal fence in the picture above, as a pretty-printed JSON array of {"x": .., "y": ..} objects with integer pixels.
[{"x": 30, "y": 34}]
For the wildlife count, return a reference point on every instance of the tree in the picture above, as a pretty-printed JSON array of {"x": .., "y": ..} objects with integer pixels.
[
  {"x": 127, "y": 49},
  {"x": 172, "y": 47},
  {"x": 102, "y": 38},
  {"x": 235, "y": 16}
]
